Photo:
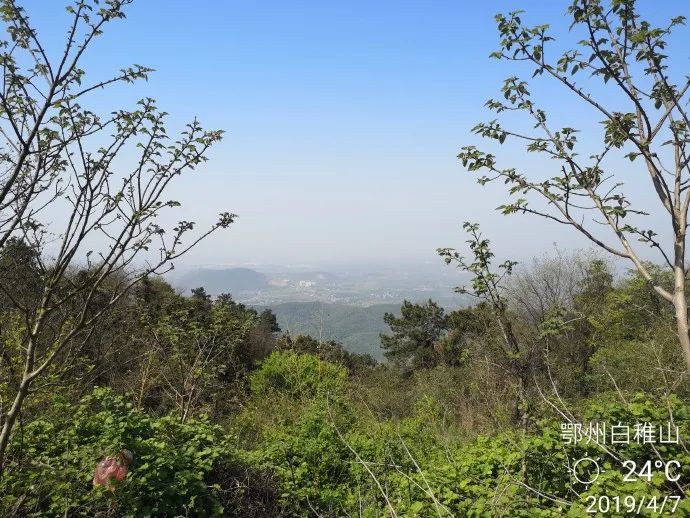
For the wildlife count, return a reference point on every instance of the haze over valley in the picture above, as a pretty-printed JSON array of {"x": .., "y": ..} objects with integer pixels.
[
  {"x": 365, "y": 285},
  {"x": 345, "y": 303}
]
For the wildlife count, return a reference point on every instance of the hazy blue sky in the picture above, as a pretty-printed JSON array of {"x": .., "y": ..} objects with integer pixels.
[{"x": 343, "y": 119}]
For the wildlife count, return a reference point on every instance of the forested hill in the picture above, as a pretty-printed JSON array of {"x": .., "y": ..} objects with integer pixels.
[{"x": 357, "y": 328}]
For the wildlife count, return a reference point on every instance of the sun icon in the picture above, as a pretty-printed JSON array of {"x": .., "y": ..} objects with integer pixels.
[{"x": 586, "y": 470}]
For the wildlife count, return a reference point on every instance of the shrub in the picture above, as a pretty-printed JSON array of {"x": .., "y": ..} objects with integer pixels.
[
  {"x": 528, "y": 475},
  {"x": 175, "y": 465},
  {"x": 301, "y": 376}
]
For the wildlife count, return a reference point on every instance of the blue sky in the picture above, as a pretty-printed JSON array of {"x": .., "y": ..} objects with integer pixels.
[{"x": 343, "y": 119}]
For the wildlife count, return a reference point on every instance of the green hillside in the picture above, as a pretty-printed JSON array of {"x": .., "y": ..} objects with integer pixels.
[{"x": 357, "y": 328}]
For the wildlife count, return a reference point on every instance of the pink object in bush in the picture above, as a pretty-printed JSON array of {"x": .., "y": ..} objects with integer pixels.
[{"x": 112, "y": 470}]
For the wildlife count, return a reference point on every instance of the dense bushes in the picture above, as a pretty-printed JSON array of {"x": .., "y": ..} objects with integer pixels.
[
  {"x": 53, "y": 459},
  {"x": 303, "y": 444},
  {"x": 527, "y": 475},
  {"x": 226, "y": 418},
  {"x": 302, "y": 376},
  {"x": 342, "y": 463}
]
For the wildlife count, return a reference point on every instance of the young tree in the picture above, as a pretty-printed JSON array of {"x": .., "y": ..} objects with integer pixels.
[
  {"x": 70, "y": 190},
  {"x": 488, "y": 286},
  {"x": 645, "y": 119}
]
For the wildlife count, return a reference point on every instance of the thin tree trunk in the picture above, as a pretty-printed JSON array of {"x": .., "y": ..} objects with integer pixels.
[
  {"x": 10, "y": 419},
  {"x": 523, "y": 413},
  {"x": 680, "y": 302},
  {"x": 23, "y": 390},
  {"x": 520, "y": 368},
  {"x": 681, "y": 305}
]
